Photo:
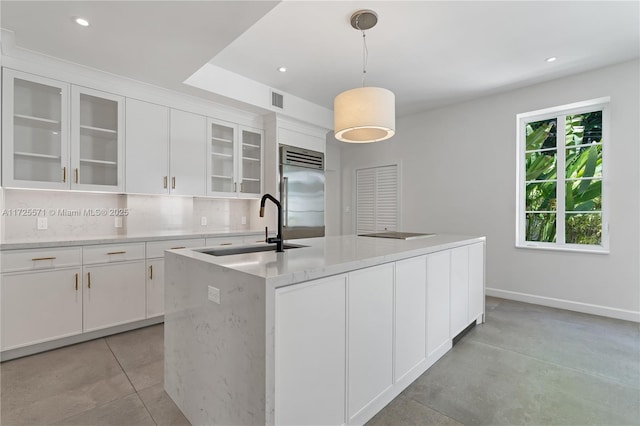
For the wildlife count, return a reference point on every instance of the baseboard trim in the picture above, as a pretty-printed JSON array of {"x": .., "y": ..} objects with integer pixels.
[
  {"x": 78, "y": 338},
  {"x": 552, "y": 302}
]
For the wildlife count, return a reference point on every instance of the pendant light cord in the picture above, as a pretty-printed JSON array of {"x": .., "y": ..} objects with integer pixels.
[
  {"x": 365, "y": 57},
  {"x": 365, "y": 53}
]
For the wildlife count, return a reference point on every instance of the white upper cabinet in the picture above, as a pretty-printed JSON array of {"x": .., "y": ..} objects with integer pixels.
[
  {"x": 165, "y": 150},
  {"x": 35, "y": 131},
  {"x": 52, "y": 140},
  {"x": 147, "y": 148},
  {"x": 187, "y": 144},
  {"x": 96, "y": 140},
  {"x": 234, "y": 156}
]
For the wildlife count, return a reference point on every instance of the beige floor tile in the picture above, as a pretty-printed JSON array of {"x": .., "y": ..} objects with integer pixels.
[
  {"x": 162, "y": 408},
  {"x": 47, "y": 387},
  {"x": 406, "y": 412},
  {"x": 127, "y": 411},
  {"x": 141, "y": 355}
]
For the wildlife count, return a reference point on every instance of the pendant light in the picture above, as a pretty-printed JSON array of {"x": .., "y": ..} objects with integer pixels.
[{"x": 365, "y": 114}]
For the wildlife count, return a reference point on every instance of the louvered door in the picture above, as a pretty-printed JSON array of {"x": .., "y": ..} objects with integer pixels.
[{"x": 377, "y": 199}]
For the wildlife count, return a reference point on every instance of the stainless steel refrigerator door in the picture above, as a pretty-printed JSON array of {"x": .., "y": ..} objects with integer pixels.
[{"x": 302, "y": 196}]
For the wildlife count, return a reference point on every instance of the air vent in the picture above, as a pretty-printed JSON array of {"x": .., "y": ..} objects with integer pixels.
[
  {"x": 293, "y": 156},
  {"x": 277, "y": 100}
]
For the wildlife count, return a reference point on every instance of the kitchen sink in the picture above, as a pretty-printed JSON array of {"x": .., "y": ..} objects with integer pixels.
[{"x": 228, "y": 251}]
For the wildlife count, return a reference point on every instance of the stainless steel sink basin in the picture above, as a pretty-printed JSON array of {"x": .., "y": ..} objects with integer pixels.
[{"x": 228, "y": 251}]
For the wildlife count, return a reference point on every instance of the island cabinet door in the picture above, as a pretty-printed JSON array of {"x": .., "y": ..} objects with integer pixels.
[
  {"x": 370, "y": 347},
  {"x": 438, "y": 278},
  {"x": 476, "y": 282},
  {"x": 459, "y": 290},
  {"x": 310, "y": 354},
  {"x": 410, "y": 314}
]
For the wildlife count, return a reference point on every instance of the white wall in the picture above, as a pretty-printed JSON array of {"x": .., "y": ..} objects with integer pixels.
[{"x": 458, "y": 175}]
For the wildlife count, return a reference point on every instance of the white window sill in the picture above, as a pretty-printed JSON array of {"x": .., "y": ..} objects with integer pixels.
[{"x": 586, "y": 249}]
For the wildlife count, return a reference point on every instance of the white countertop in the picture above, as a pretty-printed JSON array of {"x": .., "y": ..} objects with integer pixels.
[
  {"x": 119, "y": 239},
  {"x": 327, "y": 256}
]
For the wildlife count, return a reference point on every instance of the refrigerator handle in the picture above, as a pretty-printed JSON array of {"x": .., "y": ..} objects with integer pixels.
[{"x": 285, "y": 198}]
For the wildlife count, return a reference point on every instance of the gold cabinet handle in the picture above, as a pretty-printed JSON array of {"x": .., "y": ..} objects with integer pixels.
[
  {"x": 166, "y": 182},
  {"x": 88, "y": 279},
  {"x": 76, "y": 281},
  {"x": 173, "y": 182},
  {"x": 150, "y": 272},
  {"x": 64, "y": 174},
  {"x": 177, "y": 248},
  {"x": 116, "y": 252},
  {"x": 226, "y": 244},
  {"x": 43, "y": 258},
  {"x": 76, "y": 175}
]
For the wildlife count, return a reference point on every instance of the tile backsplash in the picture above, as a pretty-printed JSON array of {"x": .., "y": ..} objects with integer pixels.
[{"x": 82, "y": 215}]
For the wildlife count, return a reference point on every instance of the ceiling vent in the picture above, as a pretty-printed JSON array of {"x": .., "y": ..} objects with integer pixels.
[{"x": 277, "y": 100}]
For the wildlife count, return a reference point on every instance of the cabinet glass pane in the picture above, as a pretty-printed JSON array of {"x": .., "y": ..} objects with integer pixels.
[
  {"x": 37, "y": 132},
  {"x": 221, "y": 158},
  {"x": 98, "y": 141},
  {"x": 251, "y": 162}
]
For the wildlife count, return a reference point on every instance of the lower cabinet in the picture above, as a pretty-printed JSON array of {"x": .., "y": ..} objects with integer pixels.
[
  {"x": 370, "y": 331},
  {"x": 155, "y": 271},
  {"x": 345, "y": 346},
  {"x": 467, "y": 286},
  {"x": 438, "y": 304},
  {"x": 411, "y": 315},
  {"x": 310, "y": 361},
  {"x": 113, "y": 294},
  {"x": 40, "y": 306},
  {"x": 155, "y": 287}
]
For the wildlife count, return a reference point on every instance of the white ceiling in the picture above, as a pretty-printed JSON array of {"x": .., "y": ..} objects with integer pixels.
[{"x": 429, "y": 53}]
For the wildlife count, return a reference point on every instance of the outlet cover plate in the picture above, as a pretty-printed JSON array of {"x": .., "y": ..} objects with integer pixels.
[{"x": 214, "y": 294}]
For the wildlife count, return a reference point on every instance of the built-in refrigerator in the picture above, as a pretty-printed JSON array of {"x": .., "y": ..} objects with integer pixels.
[{"x": 302, "y": 192}]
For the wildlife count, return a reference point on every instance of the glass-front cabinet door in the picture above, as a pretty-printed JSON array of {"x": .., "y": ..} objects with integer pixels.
[
  {"x": 59, "y": 136},
  {"x": 221, "y": 162},
  {"x": 250, "y": 170},
  {"x": 96, "y": 140},
  {"x": 35, "y": 141}
]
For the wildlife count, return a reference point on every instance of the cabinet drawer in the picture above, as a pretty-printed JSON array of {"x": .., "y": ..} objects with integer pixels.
[
  {"x": 157, "y": 248},
  {"x": 225, "y": 241},
  {"x": 34, "y": 259},
  {"x": 107, "y": 253}
]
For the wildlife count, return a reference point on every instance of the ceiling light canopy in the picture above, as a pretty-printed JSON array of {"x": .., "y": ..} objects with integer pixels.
[
  {"x": 551, "y": 59},
  {"x": 365, "y": 114},
  {"x": 282, "y": 69}
]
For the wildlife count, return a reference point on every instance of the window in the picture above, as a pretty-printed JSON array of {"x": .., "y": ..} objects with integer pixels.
[
  {"x": 377, "y": 199},
  {"x": 562, "y": 179}
]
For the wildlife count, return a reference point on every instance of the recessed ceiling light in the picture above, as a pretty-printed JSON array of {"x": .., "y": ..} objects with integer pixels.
[
  {"x": 82, "y": 21},
  {"x": 551, "y": 59},
  {"x": 282, "y": 69}
]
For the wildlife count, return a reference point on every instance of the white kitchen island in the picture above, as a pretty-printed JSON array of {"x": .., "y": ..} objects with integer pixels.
[{"x": 325, "y": 334}]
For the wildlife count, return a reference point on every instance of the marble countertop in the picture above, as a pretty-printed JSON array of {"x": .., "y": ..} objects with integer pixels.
[
  {"x": 118, "y": 239},
  {"x": 328, "y": 256}
]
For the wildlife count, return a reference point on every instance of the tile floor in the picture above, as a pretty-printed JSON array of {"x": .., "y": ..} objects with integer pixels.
[{"x": 527, "y": 365}]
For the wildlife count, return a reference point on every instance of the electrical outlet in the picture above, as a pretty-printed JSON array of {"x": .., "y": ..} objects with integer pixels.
[
  {"x": 203, "y": 221},
  {"x": 118, "y": 222},
  {"x": 214, "y": 294},
  {"x": 244, "y": 220},
  {"x": 42, "y": 223}
]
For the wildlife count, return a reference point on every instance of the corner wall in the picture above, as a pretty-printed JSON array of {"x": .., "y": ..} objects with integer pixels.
[{"x": 458, "y": 171}]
